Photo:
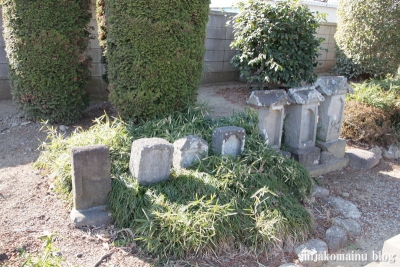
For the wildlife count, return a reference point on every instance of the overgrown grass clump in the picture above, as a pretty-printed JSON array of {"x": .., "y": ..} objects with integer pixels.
[
  {"x": 372, "y": 114},
  {"x": 220, "y": 203}
]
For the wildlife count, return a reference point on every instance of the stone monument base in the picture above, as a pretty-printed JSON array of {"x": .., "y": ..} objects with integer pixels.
[
  {"x": 96, "y": 216},
  {"x": 307, "y": 157},
  {"x": 336, "y": 147},
  {"x": 327, "y": 167}
]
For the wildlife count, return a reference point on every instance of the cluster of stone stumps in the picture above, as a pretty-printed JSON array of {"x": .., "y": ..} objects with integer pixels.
[
  {"x": 311, "y": 120},
  {"x": 151, "y": 161}
]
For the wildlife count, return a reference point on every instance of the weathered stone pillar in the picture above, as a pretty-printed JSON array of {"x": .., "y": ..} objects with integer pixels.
[
  {"x": 228, "y": 140},
  {"x": 334, "y": 90},
  {"x": 91, "y": 184},
  {"x": 301, "y": 124},
  {"x": 151, "y": 160},
  {"x": 271, "y": 112},
  {"x": 188, "y": 150}
]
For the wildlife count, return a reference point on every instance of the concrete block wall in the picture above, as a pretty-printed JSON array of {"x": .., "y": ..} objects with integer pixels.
[
  {"x": 327, "y": 58},
  {"x": 218, "y": 52}
]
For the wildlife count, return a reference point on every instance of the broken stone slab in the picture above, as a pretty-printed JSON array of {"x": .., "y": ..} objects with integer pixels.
[
  {"x": 319, "y": 192},
  {"x": 188, "y": 150},
  {"x": 393, "y": 152},
  {"x": 326, "y": 157},
  {"x": 312, "y": 252},
  {"x": 336, "y": 147},
  {"x": 271, "y": 112},
  {"x": 362, "y": 159},
  {"x": 327, "y": 167},
  {"x": 307, "y": 157},
  {"x": 301, "y": 119},
  {"x": 344, "y": 207},
  {"x": 377, "y": 151},
  {"x": 336, "y": 238},
  {"x": 151, "y": 160},
  {"x": 351, "y": 226},
  {"x": 390, "y": 252},
  {"x": 96, "y": 216},
  {"x": 333, "y": 85},
  {"x": 228, "y": 140},
  {"x": 91, "y": 178}
]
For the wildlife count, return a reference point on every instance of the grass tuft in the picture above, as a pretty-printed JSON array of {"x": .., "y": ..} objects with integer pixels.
[{"x": 217, "y": 204}]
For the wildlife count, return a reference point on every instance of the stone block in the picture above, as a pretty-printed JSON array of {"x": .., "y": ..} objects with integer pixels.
[
  {"x": 327, "y": 167},
  {"x": 228, "y": 140},
  {"x": 351, "y": 226},
  {"x": 336, "y": 238},
  {"x": 336, "y": 147},
  {"x": 361, "y": 159},
  {"x": 301, "y": 119},
  {"x": 304, "y": 95},
  {"x": 307, "y": 157},
  {"x": 319, "y": 192},
  {"x": 393, "y": 152},
  {"x": 151, "y": 160},
  {"x": 331, "y": 117},
  {"x": 326, "y": 157},
  {"x": 311, "y": 253},
  {"x": 333, "y": 85},
  {"x": 91, "y": 179},
  {"x": 391, "y": 252},
  {"x": 96, "y": 216},
  {"x": 334, "y": 90},
  {"x": 344, "y": 207},
  {"x": 188, "y": 150},
  {"x": 271, "y": 113}
]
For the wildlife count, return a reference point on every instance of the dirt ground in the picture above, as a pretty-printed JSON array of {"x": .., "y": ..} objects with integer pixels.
[{"x": 29, "y": 207}]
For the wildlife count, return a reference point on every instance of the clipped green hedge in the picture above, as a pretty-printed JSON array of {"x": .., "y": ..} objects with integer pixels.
[
  {"x": 155, "y": 52},
  {"x": 45, "y": 44},
  {"x": 367, "y": 38}
]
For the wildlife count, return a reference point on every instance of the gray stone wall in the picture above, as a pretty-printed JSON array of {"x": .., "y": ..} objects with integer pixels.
[{"x": 216, "y": 63}]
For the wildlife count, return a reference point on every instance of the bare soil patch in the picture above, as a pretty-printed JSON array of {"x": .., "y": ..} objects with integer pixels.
[{"x": 30, "y": 207}]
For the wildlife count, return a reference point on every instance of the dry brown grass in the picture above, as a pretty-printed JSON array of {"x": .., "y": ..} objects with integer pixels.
[{"x": 368, "y": 125}]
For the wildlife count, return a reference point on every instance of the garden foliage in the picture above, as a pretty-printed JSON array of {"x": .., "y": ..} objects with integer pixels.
[
  {"x": 253, "y": 200},
  {"x": 372, "y": 114},
  {"x": 276, "y": 42},
  {"x": 46, "y": 42},
  {"x": 155, "y": 52},
  {"x": 367, "y": 38}
]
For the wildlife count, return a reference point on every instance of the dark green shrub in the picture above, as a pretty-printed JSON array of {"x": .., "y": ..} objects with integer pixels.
[
  {"x": 367, "y": 38},
  {"x": 155, "y": 53},
  {"x": 276, "y": 42},
  {"x": 45, "y": 44}
]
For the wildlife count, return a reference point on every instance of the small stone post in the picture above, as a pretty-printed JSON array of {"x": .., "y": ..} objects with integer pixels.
[
  {"x": 188, "y": 150},
  {"x": 151, "y": 160},
  {"x": 301, "y": 124},
  {"x": 91, "y": 184},
  {"x": 228, "y": 140},
  {"x": 334, "y": 90},
  {"x": 271, "y": 112}
]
